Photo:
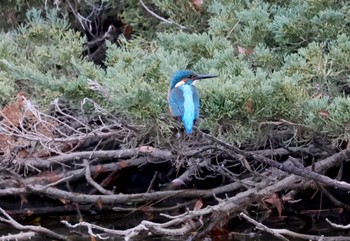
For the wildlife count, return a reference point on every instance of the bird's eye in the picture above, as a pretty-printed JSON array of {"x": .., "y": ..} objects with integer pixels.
[{"x": 192, "y": 76}]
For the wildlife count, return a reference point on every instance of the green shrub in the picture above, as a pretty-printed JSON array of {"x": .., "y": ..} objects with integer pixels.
[{"x": 297, "y": 71}]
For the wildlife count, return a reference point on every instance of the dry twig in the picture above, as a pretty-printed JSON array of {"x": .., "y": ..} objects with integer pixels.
[{"x": 37, "y": 229}]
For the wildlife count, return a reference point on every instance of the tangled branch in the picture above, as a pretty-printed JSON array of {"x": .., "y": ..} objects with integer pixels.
[{"x": 193, "y": 188}]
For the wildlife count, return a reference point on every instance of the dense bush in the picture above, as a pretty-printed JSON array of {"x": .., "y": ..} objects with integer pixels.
[{"x": 295, "y": 68}]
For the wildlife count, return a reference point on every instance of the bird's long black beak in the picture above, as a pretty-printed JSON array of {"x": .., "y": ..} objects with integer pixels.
[{"x": 206, "y": 76}]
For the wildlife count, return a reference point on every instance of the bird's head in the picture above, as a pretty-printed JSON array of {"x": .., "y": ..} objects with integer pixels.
[{"x": 187, "y": 77}]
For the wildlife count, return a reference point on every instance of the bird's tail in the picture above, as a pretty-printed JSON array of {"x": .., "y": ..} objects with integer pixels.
[{"x": 188, "y": 129}]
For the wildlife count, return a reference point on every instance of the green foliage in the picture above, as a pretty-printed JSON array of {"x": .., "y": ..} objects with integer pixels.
[
  {"x": 300, "y": 57},
  {"x": 14, "y": 11},
  {"x": 243, "y": 21},
  {"x": 45, "y": 52},
  {"x": 295, "y": 68},
  {"x": 181, "y": 13},
  {"x": 301, "y": 22}
]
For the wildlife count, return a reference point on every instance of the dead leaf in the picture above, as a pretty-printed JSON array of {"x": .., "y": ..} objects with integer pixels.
[
  {"x": 127, "y": 31},
  {"x": 197, "y": 3},
  {"x": 146, "y": 149},
  {"x": 29, "y": 212},
  {"x": 274, "y": 200},
  {"x": 123, "y": 164},
  {"x": 69, "y": 145},
  {"x": 149, "y": 214},
  {"x": 23, "y": 199},
  {"x": 18, "y": 115},
  {"x": 98, "y": 170},
  {"x": 279, "y": 207},
  {"x": 13, "y": 113},
  {"x": 323, "y": 113},
  {"x": 23, "y": 154},
  {"x": 53, "y": 177},
  {"x": 42, "y": 153},
  {"x": 245, "y": 51},
  {"x": 287, "y": 198},
  {"x": 100, "y": 203},
  {"x": 221, "y": 229},
  {"x": 249, "y": 106},
  {"x": 198, "y": 205}
]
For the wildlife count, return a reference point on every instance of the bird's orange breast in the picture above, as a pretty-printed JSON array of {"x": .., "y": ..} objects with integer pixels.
[{"x": 168, "y": 100}]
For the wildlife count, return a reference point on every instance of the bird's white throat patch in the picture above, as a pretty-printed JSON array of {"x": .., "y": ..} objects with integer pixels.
[{"x": 180, "y": 83}]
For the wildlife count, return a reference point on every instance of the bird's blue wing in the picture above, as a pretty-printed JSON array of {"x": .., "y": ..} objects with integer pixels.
[
  {"x": 195, "y": 97},
  {"x": 176, "y": 102}
]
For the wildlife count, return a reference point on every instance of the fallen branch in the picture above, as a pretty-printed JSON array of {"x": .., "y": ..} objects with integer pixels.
[
  {"x": 18, "y": 237},
  {"x": 99, "y": 155},
  {"x": 262, "y": 227},
  {"x": 303, "y": 172},
  {"x": 37, "y": 229},
  {"x": 92, "y": 182},
  {"x": 144, "y": 226},
  {"x": 279, "y": 232},
  {"x": 338, "y": 226}
]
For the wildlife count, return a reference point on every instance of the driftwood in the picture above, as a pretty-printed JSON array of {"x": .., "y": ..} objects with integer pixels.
[{"x": 75, "y": 164}]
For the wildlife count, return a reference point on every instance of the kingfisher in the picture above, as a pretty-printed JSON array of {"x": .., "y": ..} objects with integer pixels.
[{"x": 183, "y": 97}]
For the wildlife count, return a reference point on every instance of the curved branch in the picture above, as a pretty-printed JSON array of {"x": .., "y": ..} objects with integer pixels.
[{"x": 37, "y": 229}]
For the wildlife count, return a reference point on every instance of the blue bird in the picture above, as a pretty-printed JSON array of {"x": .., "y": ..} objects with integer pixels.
[{"x": 183, "y": 97}]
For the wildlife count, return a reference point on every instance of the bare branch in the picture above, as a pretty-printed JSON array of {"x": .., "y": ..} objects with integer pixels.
[
  {"x": 38, "y": 229},
  {"x": 18, "y": 237},
  {"x": 338, "y": 226},
  {"x": 263, "y": 227},
  {"x": 92, "y": 182},
  {"x": 279, "y": 232},
  {"x": 159, "y": 17}
]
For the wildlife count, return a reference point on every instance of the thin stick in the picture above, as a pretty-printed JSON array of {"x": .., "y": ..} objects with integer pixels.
[
  {"x": 159, "y": 17},
  {"x": 262, "y": 227}
]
